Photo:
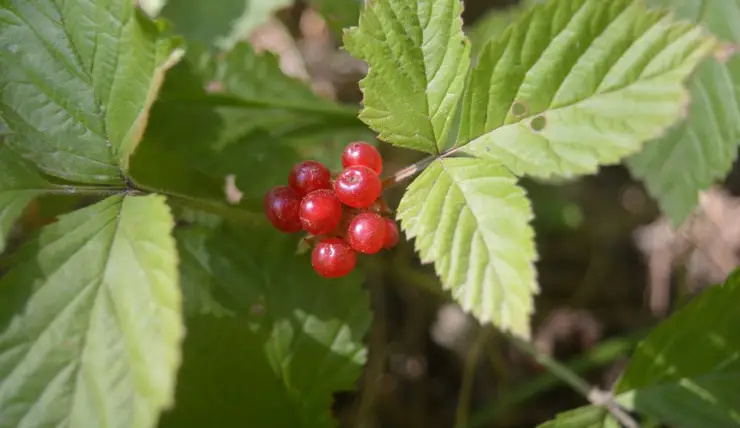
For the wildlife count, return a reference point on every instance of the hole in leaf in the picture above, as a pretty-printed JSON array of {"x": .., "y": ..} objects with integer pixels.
[
  {"x": 538, "y": 123},
  {"x": 518, "y": 109}
]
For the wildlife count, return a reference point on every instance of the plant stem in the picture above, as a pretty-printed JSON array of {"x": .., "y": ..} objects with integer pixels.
[
  {"x": 594, "y": 395},
  {"x": 89, "y": 190},
  {"x": 407, "y": 172},
  {"x": 468, "y": 380},
  {"x": 410, "y": 170},
  {"x": 603, "y": 354}
]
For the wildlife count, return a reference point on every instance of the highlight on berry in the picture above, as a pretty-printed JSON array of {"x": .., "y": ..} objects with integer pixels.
[{"x": 342, "y": 215}]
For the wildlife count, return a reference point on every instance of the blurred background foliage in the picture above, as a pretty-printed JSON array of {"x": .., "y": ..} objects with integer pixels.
[{"x": 604, "y": 280}]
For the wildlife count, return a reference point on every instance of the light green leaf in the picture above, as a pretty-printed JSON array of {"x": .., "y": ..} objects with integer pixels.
[
  {"x": 686, "y": 372},
  {"x": 702, "y": 148},
  {"x": 151, "y": 7},
  {"x": 93, "y": 338},
  {"x": 418, "y": 58},
  {"x": 297, "y": 338},
  {"x": 574, "y": 84},
  {"x": 222, "y": 25},
  {"x": 78, "y": 79},
  {"x": 20, "y": 183},
  {"x": 490, "y": 26},
  {"x": 471, "y": 219},
  {"x": 339, "y": 14}
]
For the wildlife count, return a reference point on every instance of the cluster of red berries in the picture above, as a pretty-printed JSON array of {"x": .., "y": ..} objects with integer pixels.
[{"x": 344, "y": 214}]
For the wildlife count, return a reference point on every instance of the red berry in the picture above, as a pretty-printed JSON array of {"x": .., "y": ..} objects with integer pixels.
[
  {"x": 391, "y": 234},
  {"x": 366, "y": 233},
  {"x": 320, "y": 212},
  {"x": 332, "y": 258},
  {"x": 307, "y": 176},
  {"x": 358, "y": 186},
  {"x": 361, "y": 153},
  {"x": 282, "y": 205}
]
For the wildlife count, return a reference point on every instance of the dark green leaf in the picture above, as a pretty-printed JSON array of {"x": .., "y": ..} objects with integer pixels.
[
  {"x": 77, "y": 81},
  {"x": 270, "y": 123},
  {"x": 297, "y": 338},
  {"x": 20, "y": 183},
  {"x": 686, "y": 372},
  {"x": 339, "y": 14},
  {"x": 223, "y": 24},
  {"x": 196, "y": 278}
]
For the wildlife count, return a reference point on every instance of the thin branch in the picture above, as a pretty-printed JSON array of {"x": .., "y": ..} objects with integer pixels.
[
  {"x": 408, "y": 172},
  {"x": 418, "y": 166},
  {"x": 594, "y": 395},
  {"x": 90, "y": 190},
  {"x": 468, "y": 381}
]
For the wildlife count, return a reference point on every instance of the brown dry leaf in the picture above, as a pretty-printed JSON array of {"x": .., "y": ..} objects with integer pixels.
[{"x": 708, "y": 243}]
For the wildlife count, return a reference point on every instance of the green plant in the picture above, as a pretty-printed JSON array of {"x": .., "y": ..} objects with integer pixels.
[{"x": 99, "y": 100}]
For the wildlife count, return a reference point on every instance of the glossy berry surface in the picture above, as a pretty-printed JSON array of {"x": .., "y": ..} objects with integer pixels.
[
  {"x": 332, "y": 258},
  {"x": 358, "y": 186},
  {"x": 364, "y": 154},
  {"x": 282, "y": 206},
  {"x": 320, "y": 212},
  {"x": 307, "y": 176},
  {"x": 366, "y": 233},
  {"x": 391, "y": 234}
]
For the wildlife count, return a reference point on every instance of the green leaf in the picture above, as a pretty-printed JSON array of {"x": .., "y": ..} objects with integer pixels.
[
  {"x": 583, "y": 417},
  {"x": 93, "y": 338},
  {"x": 20, "y": 183},
  {"x": 78, "y": 79},
  {"x": 221, "y": 25},
  {"x": 151, "y": 7},
  {"x": 574, "y": 84},
  {"x": 257, "y": 81},
  {"x": 471, "y": 219},
  {"x": 702, "y": 148},
  {"x": 297, "y": 338},
  {"x": 490, "y": 26},
  {"x": 197, "y": 282},
  {"x": 686, "y": 372},
  {"x": 256, "y": 127},
  {"x": 418, "y": 58},
  {"x": 339, "y": 14}
]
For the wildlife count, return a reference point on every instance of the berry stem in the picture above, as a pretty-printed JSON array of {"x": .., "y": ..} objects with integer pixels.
[{"x": 408, "y": 172}]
